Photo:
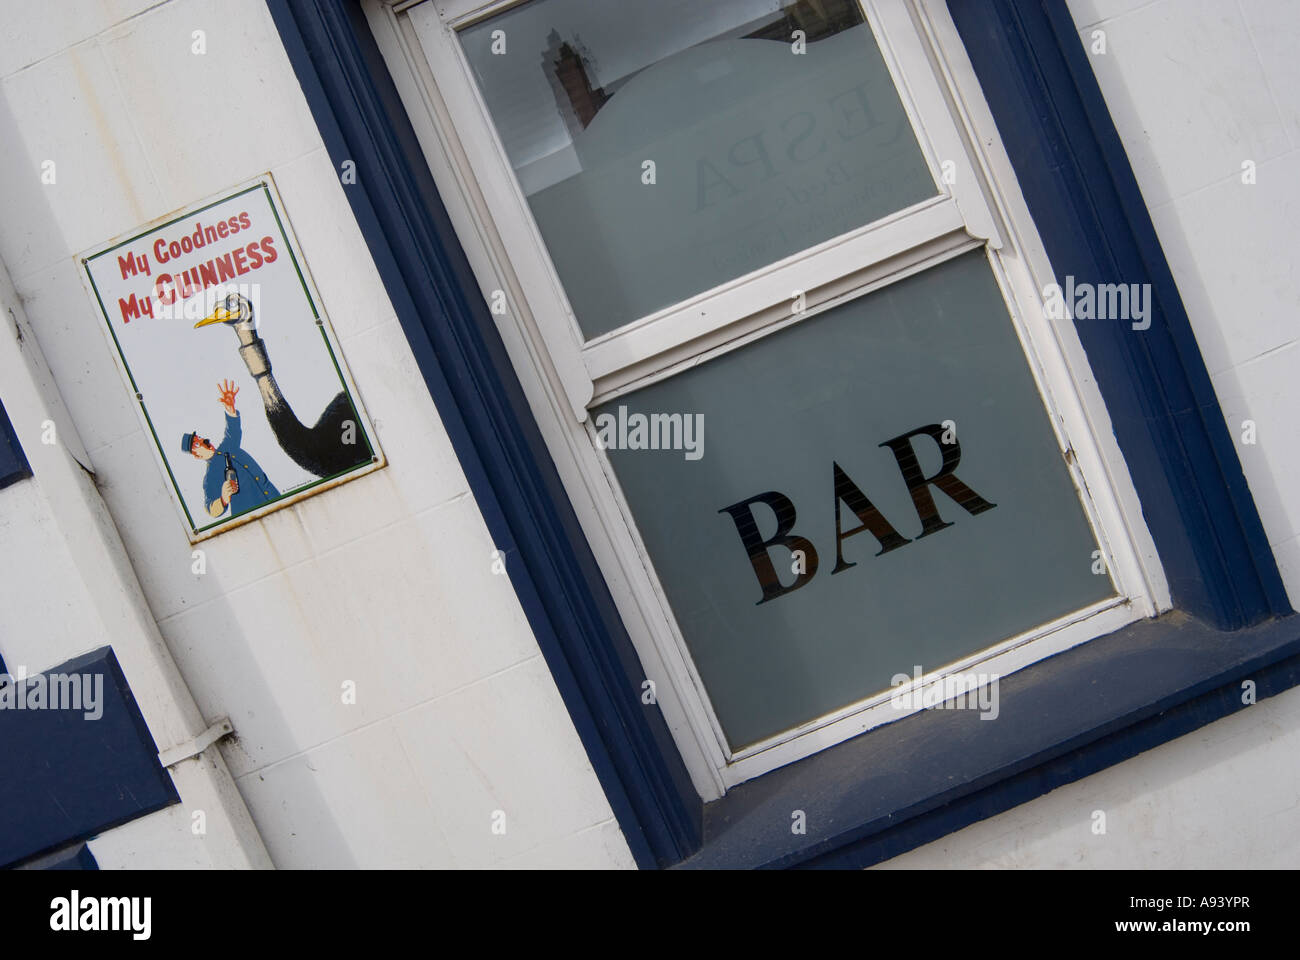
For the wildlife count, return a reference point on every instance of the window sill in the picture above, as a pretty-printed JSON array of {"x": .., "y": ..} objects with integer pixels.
[{"x": 900, "y": 786}]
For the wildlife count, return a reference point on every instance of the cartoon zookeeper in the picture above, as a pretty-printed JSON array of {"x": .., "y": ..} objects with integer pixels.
[{"x": 233, "y": 480}]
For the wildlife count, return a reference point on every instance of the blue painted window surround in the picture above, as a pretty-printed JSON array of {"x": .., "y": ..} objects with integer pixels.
[{"x": 879, "y": 794}]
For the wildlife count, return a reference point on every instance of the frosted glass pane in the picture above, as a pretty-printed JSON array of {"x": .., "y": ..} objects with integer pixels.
[
  {"x": 797, "y": 419},
  {"x": 758, "y": 152}
]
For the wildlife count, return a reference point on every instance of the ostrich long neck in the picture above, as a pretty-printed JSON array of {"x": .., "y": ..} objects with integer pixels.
[
  {"x": 328, "y": 447},
  {"x": 253, "y": 350}
]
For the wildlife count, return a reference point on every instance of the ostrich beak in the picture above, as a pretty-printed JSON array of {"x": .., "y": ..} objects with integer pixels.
[{"x": 220, "y": 315}]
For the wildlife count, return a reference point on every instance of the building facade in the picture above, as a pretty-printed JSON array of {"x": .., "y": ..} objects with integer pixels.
[{"x": 599, "y": 310}]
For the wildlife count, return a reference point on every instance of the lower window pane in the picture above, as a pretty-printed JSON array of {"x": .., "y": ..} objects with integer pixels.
[{"x": 898, "y": 442}]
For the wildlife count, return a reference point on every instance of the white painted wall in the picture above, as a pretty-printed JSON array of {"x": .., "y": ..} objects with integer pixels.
[
  {"x": 385, "y": 581},
  {"x": 1195, "y": 88}
]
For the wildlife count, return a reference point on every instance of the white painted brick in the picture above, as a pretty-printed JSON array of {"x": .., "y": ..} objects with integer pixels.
[
  {"x": 67, "y": 109},
  {"x": 45, "y": 613},
  {"x": 419, "y": 610},
  {"x": 70, "y": 333},
  {"x": 30, "y": 32},
  {"x": 207, "y": 122},
  {"x": 352, "y": 803},
  {"x": 1275, "y": 30},
  {"x": 1088, "y": 12},
  {"x": 1231, "y": 247},
  {"x": 336, "y": 253},
  {"x": 1187, "y": 94},
  {"x": 166, "y": 839},
  {"x": 1266, "y": 391},
  {"x": 134, "y": 487},
  {"x": 1221, "y": 797}
]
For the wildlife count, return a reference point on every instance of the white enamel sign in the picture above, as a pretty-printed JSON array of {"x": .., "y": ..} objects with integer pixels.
[{"x": 221, "y": 339}]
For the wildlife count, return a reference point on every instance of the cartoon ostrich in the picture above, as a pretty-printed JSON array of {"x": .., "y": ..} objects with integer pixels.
[{"x": 335, "y": 443}]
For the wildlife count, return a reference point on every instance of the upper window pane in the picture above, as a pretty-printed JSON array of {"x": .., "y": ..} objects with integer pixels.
[{"x": 757, "y": 151}]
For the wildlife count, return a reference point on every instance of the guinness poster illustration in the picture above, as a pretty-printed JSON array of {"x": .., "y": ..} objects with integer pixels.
[{"x": 221, "y": 339}]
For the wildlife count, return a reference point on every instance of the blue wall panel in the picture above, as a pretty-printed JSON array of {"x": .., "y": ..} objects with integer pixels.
[
  {"x": 68, "y": 777},
  {"x": 13, "y": 464}
]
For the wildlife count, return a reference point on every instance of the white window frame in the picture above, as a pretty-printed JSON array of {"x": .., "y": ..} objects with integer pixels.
[{"x": 563, "y": 374}]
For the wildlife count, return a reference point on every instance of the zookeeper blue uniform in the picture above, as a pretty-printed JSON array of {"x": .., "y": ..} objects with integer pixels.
[{"x": 255, "y": 488}]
